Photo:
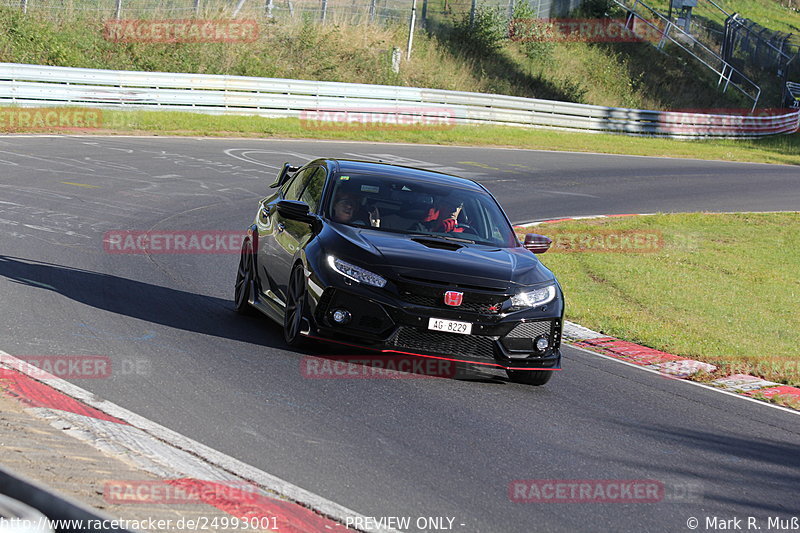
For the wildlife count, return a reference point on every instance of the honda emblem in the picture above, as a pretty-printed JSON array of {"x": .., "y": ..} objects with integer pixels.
[{"x": 453, "y": 298}]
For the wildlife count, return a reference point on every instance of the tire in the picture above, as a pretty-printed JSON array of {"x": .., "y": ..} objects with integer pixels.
[
  {"x": 244, "y": 281},
  {"x": 530, "y": 377},
  {"x": 295, "y": 309}
]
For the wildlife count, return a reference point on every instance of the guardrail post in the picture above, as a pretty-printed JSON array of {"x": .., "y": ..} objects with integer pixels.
[
  {"x": 396, "y": 60},
  {"x": 269, "y": 8},
  {"x": 372, "y": 10},
  {"x": 24, "y": 5},
  {"x": 472, "y": 13},
  {"x": 196, "y": 8},
  {"x": 324, "y": 10},
  {"x": 118, "y": 10}
]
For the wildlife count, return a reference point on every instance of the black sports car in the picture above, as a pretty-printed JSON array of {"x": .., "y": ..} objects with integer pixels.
[{"x": 401, "y": 260}]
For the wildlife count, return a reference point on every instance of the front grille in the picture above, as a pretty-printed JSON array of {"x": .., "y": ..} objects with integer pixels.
[
  {"x": 473, "y": 302},
  {"x": 531, "y": 330},
  {"x": 440, "y": 342}
]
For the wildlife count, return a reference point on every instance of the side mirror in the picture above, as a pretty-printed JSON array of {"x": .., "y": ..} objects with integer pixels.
[
  {"x": 295, "y": 210},
  {"x": 284, "y": 174},
  {"x": 536, "y": 243}
]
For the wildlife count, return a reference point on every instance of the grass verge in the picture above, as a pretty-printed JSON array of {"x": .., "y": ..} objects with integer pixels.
[
  {"x": 718, "y": 288},
  {"x": 784, "y": 149},
  {"x": 452, "y": 54}
]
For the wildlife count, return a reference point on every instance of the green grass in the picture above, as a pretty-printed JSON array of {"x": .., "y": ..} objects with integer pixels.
[
  {"x": 722, "y": 289},
  {"x": 784, "y": 149},
  {"x": 783, "y": 16}
]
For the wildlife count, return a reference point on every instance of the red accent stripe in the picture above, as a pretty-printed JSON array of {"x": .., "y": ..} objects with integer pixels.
[
  {"x": 289, "y": 517},
  {"x": 429, "y": 356},
  {"x": 783, "y": 390},
  {"x": 634, "y": 353},
  {"x": 36, "y": 394}
]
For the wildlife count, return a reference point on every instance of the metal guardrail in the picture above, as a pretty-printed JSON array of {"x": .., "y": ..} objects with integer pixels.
[{"x": 34, "y": 85}]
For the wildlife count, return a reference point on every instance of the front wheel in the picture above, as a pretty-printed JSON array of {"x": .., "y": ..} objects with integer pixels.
[
  {"x": 244, "y": 281},
  {"x": 295, "y": 308},
  {"x": 530, "y": 377}
]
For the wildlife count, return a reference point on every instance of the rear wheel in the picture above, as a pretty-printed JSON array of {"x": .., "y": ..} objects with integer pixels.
[
  {"x": 295, "y": 308},
  {"x": 244, "y": 281},
  {"x": 530, "y": 377}
]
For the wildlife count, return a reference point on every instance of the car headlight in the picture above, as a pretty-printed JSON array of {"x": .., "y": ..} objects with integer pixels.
[
  {"x": 355, "y": 273},
  {"x": 535, "y": 297}
]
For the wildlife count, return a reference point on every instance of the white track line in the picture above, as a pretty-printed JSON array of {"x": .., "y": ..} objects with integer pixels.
[
  {"x": 205, "y": 456},
  {"x": 695, "y": 383}
]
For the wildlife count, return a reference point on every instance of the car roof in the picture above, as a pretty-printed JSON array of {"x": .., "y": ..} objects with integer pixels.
[{"x": 392, "y": 170}]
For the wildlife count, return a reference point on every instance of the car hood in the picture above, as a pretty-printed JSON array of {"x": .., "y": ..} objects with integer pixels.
[{"x": 447, "y": 261}]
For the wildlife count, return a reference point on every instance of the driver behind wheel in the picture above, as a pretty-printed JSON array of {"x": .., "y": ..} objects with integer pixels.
[{"x": 443, "y": 217}]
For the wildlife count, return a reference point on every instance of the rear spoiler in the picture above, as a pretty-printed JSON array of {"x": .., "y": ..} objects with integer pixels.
[{"x": 284, "y": 175}]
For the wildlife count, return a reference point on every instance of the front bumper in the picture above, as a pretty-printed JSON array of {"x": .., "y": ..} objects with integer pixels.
[{"x": 378, "y": 322}]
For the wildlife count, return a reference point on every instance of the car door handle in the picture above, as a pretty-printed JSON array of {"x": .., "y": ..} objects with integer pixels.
[{"x": 281, "y": 226}]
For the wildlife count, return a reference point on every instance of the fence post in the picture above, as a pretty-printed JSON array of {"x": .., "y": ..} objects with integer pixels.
[
  {"x": 424, "y": 13},
  {"x": 238, "y": 8},
  {"x": 24, "y": 5},
  {"x": 269, "y": 8},
  {"x": 472, "y": 13},
  {"x": 510, "y": 11},
  {"x": 411, "y": 28},
  {"x": 324, "y": 9},
  {"x": 196, "y": 8},
  {"x": 372, "y": 10},
  {"x": 118, "y": 10}
]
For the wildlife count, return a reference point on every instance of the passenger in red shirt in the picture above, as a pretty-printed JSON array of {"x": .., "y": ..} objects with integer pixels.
[{"x": 443, "y": 217}]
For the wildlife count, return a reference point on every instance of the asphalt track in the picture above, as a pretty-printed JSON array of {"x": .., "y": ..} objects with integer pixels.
[{"x": 382, "y": 447}]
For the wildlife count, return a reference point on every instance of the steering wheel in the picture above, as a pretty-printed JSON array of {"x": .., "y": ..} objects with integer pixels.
[{"x": 467, "y": 228}]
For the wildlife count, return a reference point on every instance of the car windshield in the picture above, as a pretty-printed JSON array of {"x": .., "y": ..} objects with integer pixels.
[{"x": 411, "y": 206}]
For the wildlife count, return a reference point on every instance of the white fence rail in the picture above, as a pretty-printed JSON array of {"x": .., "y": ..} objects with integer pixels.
[{"x": 33, "y": 85}]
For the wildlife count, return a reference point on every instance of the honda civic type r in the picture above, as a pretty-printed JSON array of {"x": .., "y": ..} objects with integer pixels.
[{"x": 401, "y": 260}]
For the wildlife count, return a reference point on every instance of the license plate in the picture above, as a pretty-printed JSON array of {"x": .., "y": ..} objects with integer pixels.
[{"x": 450, "y": 326}]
